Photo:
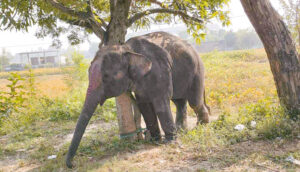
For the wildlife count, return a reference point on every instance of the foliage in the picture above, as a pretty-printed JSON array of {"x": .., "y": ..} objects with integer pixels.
[
  {"x": 20, "y": 96},
  {"x": 38, "y": 107},
  {"x": 292, "y": 17},
  {"x": 77, "y": 73},
  {"x": 271, "y": 123},
  {"x": 13, "y": 100},
  {"x": 85, "y": 17},
  {"x": 31, "y": 89}
]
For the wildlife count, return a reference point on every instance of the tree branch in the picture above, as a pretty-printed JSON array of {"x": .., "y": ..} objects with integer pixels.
[
  {"x": 156, "y": 2},
  {"x": 89, "y": 7},
  {"x": 86, "y": 19},
  {"x": 162, "y": 10},
  {"x": 80, "y": 23},
  {"x": 61, "y": 7}
]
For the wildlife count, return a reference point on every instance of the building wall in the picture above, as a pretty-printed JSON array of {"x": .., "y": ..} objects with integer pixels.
[{"x": 38, "y": 59}]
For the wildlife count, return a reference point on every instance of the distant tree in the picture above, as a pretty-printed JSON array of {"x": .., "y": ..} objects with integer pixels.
[
  {"x": 292, "y": 17},
  {"x": 221, "y": 33},
  {"x": 230, "y": 40},
  {"x": 4, "y": 59},
  {"x": 247, "y": 39}
]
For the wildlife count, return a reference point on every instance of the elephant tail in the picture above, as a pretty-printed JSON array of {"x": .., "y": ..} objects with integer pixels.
[{"x": 208, "y": 108}]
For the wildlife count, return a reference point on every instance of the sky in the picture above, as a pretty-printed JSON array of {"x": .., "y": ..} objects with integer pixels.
[{"x": 16, "y": 42}]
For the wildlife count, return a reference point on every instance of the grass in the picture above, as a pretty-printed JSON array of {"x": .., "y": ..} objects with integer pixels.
[
  {"x": 37, "y": 72},
  {"x": 238, "y": 77},
  {"x": 240, "y": 89}
]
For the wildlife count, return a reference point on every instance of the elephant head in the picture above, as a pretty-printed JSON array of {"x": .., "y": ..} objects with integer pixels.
[{"x": 111, "y": 73}]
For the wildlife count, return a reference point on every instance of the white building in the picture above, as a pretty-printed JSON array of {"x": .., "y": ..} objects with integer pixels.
[{"x": 37, "y": 59}]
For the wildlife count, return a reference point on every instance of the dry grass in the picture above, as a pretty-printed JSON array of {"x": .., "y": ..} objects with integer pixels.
[
  {"x": 51, "y": 86},
  {"x": 37, "y": 72}
]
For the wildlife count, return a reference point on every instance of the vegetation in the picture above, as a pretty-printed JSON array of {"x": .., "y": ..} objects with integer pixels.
[
  {"x": 240, "y": 89},
  {"x": 292, "y": 17},
  {"x": 91, "y": 16}
]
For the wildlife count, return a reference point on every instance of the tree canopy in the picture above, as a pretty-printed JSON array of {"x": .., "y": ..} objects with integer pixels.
[{"x": 55, "y": 17}]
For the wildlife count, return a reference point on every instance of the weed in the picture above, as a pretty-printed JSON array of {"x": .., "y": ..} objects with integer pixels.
[
  {"x": 13, "y": 100},
  {"x": 272, "y": 122}
]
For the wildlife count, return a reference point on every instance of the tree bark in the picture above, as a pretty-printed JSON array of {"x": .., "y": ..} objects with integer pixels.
[
  {"x": 115, "y": 35},
  {"x": 298, "y": 20},
  {"x": 281, "y": 51}
]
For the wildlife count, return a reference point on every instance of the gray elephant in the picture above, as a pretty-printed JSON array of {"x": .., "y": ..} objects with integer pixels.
[{"x": 157, "y": 67}]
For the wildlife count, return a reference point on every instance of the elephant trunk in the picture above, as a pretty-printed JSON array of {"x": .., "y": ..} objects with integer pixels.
[{"x": 88, "y": 110}]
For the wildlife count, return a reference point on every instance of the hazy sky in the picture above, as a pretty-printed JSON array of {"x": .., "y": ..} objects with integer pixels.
[{"x": 16, "y": 42}]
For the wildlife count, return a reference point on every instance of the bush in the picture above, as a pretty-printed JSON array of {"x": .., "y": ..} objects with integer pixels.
[
  {"x": 12, "y": 100},
  {"x": 271, "y": 122}
]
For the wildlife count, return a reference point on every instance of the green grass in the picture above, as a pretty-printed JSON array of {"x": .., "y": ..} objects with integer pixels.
[{"x": 240, "y": 89}]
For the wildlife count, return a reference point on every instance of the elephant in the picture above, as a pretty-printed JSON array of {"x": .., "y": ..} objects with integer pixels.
[{"x": 157, "y": 67}]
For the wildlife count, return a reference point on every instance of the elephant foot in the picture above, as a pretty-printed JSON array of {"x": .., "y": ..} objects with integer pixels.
[
  {"x": 204, "y": 119},
  {"x": 69, "y": 164},
  {"x": 181, "y": 126},
  {"x": 170, "y": 139}
]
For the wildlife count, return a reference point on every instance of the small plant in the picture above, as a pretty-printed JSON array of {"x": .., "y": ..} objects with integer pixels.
[
  {"x": 12, "y": 100},
  {"x": 31, "y": 89},
  {"x": 77, "y": 73}
]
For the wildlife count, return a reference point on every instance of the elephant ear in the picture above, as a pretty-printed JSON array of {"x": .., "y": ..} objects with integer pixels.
[{"x": 139, "y": 65}]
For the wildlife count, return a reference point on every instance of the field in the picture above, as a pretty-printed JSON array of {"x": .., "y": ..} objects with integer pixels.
[{"x": 240, "y": 89}]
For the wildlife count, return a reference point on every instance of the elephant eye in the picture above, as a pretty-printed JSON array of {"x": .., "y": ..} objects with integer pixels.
[{"x": 105, "y": 75}]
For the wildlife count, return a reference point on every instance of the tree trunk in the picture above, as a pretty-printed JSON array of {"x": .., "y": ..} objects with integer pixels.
[
  {"x": 115, "y": 35},
  {"x": 298, "y": 21},
  {"x": 281, "y": 51}
]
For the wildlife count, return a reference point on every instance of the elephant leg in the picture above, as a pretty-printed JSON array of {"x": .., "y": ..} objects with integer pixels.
[
  {"x": 201, "y": 110},
  {"x": 150, "y": 120},
  {"x": 163, "y": 111},
  {"x": 181, "y": 113},
  {"x": 196, "y": 99},
  {"x": 202, "y": 113}
]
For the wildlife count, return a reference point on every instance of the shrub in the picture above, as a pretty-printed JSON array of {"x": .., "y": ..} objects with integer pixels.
[
  {"x": 13, "y": 100},
  {"x": 271, "y": 122}
]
